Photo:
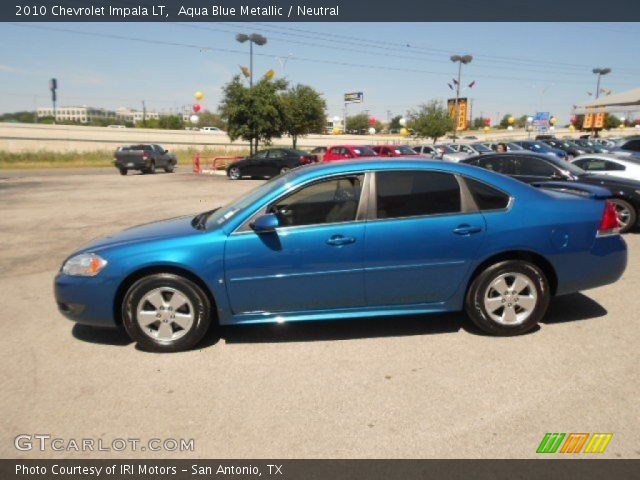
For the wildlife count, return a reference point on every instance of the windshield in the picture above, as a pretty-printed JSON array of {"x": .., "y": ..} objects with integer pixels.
[
  {"x": 222, "y": 215},
  {"x": 480, "y": 147},
  {"x": 404, "y": 150}
]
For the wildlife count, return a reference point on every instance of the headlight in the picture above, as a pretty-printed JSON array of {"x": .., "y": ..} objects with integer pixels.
[{"x": 84, "y": 265}]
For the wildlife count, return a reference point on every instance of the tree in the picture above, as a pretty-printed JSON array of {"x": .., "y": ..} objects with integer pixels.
[
  {"x": 504, "y": 123},
  {"x": 357, "y": 122},
  {"x": 210, "y": 119},
  {"x": 611, "y": 121},
  {"x": 394, "y": 124},
  {"x": 304, "y": 112},
  {"x": 478, "y": 123},
  {"x": 253, "y": 114},
  {"x": 431, "y": 120}
]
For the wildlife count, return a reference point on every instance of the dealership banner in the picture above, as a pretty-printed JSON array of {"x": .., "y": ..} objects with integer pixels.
[
  {"x": 317, "y": 10},
  {"x": 318, "y": 469},
  {"x": 462, "y": 122}
]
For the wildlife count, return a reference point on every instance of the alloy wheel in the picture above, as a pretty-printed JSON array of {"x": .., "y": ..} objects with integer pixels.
[
  {"x": 165, "y": 314},
  {"x": 510, "y": 299},
  {"x": 234, "y": 173}
]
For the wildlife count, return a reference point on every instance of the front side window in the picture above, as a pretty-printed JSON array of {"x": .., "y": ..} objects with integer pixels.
[
  {"x": 497, "y": 164},
  {"x": 533, "y": 167},
  {"x": 329, "y": 201},
  {"x": 415, "y": 193}
]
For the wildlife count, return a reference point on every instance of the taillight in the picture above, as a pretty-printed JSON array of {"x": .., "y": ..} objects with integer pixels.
[
  {"x": 609, "y": 223},
  {"x": 145, "y": 155}
]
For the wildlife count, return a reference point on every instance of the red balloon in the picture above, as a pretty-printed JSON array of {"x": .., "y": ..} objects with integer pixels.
[
  {"x": 487, "y": 121},
  {"x": 196, "y": 107},
  {"x": 574, "y": 119},
  {"x": 372, "y": 121}
]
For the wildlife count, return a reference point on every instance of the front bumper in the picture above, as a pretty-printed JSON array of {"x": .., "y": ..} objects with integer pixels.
[{"x": 86, "y": 300}]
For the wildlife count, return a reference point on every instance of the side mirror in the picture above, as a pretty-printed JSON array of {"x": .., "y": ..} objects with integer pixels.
[
  {"x": 166, "y": 151},
  {"x": 266, "y": 223}
]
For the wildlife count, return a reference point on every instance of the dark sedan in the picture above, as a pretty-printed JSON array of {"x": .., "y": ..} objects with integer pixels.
[
  {"x": 568, "y": 147},
  {"x": 531, "y": 168},
  {"x": 269, "y": 163}
]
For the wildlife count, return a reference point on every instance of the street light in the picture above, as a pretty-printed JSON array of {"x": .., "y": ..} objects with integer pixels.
[
  {"x": 258, "y": 40},
  {"x": 599, "y": 72},
  {"x": 459, "y": 59},
  {"x": 253, "y": 38}
]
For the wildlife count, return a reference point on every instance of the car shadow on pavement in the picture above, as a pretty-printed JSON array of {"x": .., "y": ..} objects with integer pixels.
[
  {"x": 573, "y": 308},
  {"x": 344, "y": 329},
  {"x": 105, "y": 336}
]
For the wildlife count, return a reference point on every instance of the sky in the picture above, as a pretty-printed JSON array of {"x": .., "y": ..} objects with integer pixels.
[{"x": 519, "y": 68}]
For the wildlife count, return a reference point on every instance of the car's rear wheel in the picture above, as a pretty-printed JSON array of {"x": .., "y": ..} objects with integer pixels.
[
  {"x": 234, "y": 173},
  {"x": 152, "y": 168},
  {"x": 166, "y": 313},
  {"x": 508, "y": 298},
  {"x": 627, "y": 215},
  {"x": 284, "y": 170},
  {"x": 123, "y": 171}
]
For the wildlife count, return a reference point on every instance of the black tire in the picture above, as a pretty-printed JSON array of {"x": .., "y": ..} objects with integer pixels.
[
  {"x": 152, "y": 168},
  {"x": 123, "y": 171},
  {"x": 631, "y": 215},
  {"x": 234, "y": 173},
  {"x": 284, "y": 170},
  {"x": 169, "y": 168},
  {"x": 202, "y": 312},
  {"x": 482, "y": 287}
]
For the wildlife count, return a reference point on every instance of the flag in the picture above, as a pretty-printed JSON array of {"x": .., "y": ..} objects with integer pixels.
[{"x": 472, "y": 84}]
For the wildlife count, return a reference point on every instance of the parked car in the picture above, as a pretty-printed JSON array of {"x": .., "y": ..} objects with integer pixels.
[
  {"x": 213, "y": 130},
  {"x": 269, "y": 163},
  {"x": 591, "y": 145},
  {"x": 627, "y": 147},
  {"x": 347, "y": 152},
  {"x": 569, "y": 148},
  {"x": 428, "y": 151},
  {"x": 469, "y": 148},
  {"x": 319, "y": 153},
  {"x": 394, "y": 150},
  {"x": 145, "y": 157},
  {"x": 439, "y": 237},
  {"x": 539, "y": 147},
  {"x": 533, "y": 168},
  {"x": 113, "y": 125},
  {"x": 624, "y": 167},
  {"x": 511, "y": 147},
  {"x": 448, "y": 154}
]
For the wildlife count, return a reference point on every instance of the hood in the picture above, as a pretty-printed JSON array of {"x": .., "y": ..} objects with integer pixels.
[{"x": 162, "y": 229}]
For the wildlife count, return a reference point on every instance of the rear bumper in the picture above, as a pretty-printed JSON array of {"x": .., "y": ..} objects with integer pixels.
[
  {"x": 603, "y": 264},
  {"x": 137, "y": 164},
  {"x": 86, "y": 300}
]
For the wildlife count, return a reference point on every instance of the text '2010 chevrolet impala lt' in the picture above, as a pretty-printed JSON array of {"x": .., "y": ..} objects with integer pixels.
[{"x": 351, "y": 240}]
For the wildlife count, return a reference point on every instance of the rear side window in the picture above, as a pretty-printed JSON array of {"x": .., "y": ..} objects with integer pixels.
[
  {"x": 486, "y": 197},
  {"x": 497, "y": 164},
  {"x": 416, "y": 193},
  {"x": 533, "y": 167}
]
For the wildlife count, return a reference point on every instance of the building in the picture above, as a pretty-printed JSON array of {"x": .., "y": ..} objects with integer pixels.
[
  {"x": 134, "y": 116},
  {"x": 81, "y": 114}
]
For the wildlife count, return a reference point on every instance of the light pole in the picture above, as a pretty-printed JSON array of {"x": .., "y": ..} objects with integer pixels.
[
  {"x": 599, "y": 72},
  {"x": 459, "y": 59},
  {"x": 258, "y": 40}
]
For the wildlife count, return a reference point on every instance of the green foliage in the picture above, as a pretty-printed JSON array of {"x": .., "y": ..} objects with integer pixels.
[
  {"x": 20, "y": 117},
  {"x": 394, "y": 124},
  {"x": 304, "y": 112},
  {"x": 358, "y": 122},
  {"x": 253, "y": 114},
  {"x": 431, "y": 120},
  {"x": 210, "y": 119},
  {"x": 477, "y": 123},
  {"x": 504, "y": 123},
  {"x": 611, "y": 121}
]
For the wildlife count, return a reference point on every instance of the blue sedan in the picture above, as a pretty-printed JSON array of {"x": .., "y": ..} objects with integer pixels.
[{"x": 351, "y": 239}]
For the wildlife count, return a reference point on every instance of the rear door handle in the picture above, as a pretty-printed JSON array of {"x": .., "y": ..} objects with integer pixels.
[
  {"x": 339, "y": 240},
  {"x": 466, "y": 229}
]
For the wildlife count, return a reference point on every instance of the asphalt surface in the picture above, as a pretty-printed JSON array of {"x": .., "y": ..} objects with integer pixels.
[{"x": 411, "y": 387}]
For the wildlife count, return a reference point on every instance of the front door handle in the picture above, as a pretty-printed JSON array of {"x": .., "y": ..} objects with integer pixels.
[
  {"x": 339, "y": 240},
  {"x": 466, "y": 229}
]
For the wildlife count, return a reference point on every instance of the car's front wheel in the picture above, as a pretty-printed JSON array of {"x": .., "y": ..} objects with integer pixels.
[
  {"x": 169, "y": 168},
  {"x": 508, "y": 298},
  {"x": 123, "y": 171},
  {"x": 234, "y": 173},
  {"x": 166, "y": 313},
  {"x": 627, "y": 215}
]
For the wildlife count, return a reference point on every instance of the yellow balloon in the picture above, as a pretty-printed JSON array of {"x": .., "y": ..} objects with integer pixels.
[
  {"x": 622, "y": 125},
  {"x": 270, "y": 74},
  {"x": 337, "y": 131},
  {"x": 404, "y": 132},
  {"x": 572, "y": 128},
  {"x": 486, "y": 129},
  {"x": 553, "y": 120},
  {"x": 511, "y": 120},
  {"x": 199, "y": 95}
]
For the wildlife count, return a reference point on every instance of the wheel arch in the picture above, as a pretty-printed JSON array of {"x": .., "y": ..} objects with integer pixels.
[
  {"x": 527, "y": 255},
  {"x": 151, "y": 270}
]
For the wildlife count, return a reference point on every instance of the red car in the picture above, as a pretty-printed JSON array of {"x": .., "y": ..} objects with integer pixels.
[
  {"x": 395, "y": 151},
  {"x": 347, "y": 152}
]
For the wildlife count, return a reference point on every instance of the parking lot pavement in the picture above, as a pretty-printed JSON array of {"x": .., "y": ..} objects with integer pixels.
[{"x": 418, "y": 387}]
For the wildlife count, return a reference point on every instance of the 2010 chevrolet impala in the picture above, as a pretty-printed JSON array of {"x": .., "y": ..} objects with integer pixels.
[{"x": 351, "y": 239}]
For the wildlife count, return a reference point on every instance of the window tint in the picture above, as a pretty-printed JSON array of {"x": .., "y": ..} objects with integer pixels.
[
  {"x": 632, "y": 145},
  {"x": 533, "y": 167},
  {"x": 497, "y": 164},
  {"x": 262, "y": 154},
  {"x": 330, "y": 201},
  {"x": 412, "y": 193},
  {"x": 486, "y": 197}
]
